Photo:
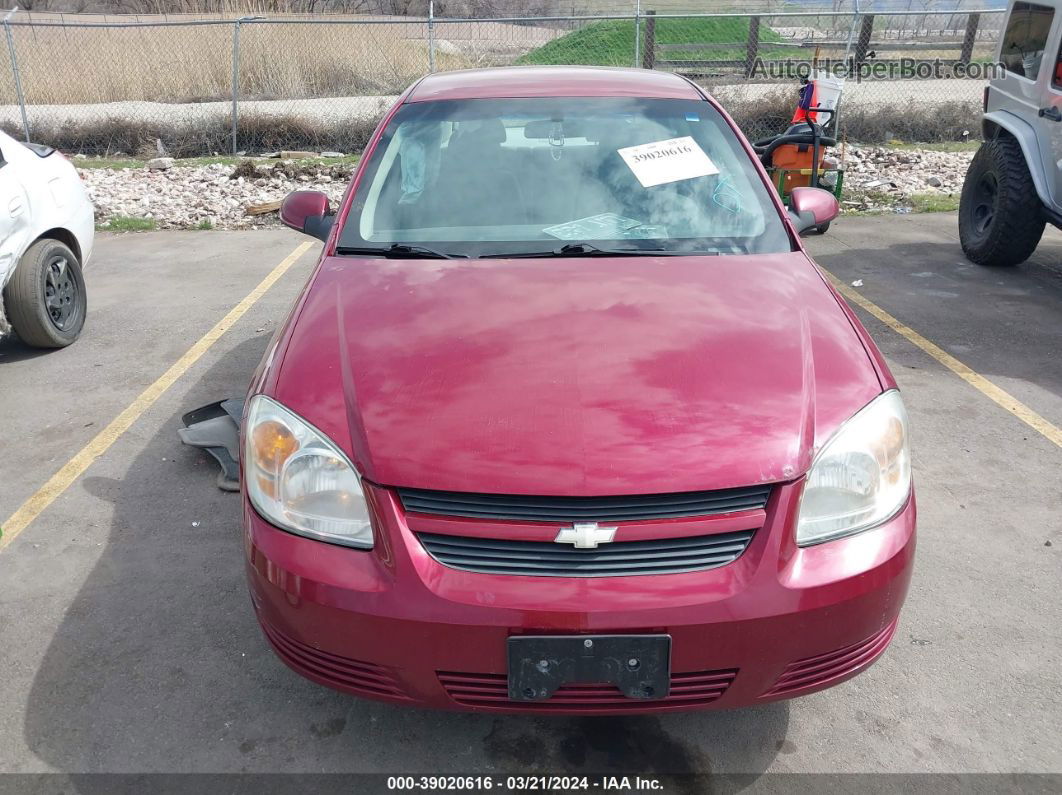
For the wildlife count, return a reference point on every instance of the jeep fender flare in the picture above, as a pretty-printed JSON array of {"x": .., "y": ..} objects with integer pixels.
[{"x": 1001, "y": 122}]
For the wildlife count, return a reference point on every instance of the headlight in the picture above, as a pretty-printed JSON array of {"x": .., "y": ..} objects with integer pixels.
[
  {"x": 299, "y": 480},
  {"x": 861, "y": 477}
]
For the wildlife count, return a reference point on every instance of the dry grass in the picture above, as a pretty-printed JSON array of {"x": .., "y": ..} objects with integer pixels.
[
  {"x": 289, "y": 57},
  {"x": 868, "y": 124},
  {"x": 191, "y": 63},
  {"x": 195, "y": 138}
]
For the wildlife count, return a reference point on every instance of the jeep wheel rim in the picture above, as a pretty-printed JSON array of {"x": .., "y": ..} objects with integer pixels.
[{"x": 985, "y": 203}]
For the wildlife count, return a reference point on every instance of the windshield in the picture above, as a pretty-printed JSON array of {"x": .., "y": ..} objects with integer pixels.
[{"x": 498, "y": 177}]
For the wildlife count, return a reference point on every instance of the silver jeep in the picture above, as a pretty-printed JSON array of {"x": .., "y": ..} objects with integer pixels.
[{"x": 1014, "y": 184}]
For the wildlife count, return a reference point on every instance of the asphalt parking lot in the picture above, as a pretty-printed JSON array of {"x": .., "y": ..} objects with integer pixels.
[{"x": 128, "y": 644}]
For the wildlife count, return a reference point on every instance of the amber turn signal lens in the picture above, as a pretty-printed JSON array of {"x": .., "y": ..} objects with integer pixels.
[{"x": 273, "y": 444}]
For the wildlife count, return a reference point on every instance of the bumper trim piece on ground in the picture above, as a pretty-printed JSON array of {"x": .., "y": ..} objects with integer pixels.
[{"x": 215, "y": 428}]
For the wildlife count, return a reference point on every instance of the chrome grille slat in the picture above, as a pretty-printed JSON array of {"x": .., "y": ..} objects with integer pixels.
[
  {"x": 692, "y": 560},
  {"x": 600, "y": 509},
  {"x": 557, "y": 553},
  {"x": 593, "y": 515},
  {"x": 537, "y": 558}
]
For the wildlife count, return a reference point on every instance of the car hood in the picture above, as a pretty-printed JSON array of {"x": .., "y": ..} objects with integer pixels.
[{"x": 590, "y": 376}]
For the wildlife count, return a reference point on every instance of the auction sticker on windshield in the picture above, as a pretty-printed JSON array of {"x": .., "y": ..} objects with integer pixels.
[{"x": 667, "y": 161}]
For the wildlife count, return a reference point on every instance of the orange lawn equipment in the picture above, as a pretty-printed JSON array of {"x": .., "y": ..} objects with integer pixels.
[{"x": 797, "y": 158}]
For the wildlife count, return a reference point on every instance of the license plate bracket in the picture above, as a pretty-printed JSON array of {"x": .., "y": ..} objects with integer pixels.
[{"x": 639, "y": 665}]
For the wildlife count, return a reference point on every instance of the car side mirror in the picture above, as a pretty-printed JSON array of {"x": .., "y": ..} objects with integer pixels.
[
  {"x": 810, "y": 208},
  {"x": 307, "y": 211}
]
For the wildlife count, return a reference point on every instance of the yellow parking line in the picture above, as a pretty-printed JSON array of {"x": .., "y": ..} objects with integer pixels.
[
  {"x": 72, "y": 469},
  {"x": 1039, "y": 424}
]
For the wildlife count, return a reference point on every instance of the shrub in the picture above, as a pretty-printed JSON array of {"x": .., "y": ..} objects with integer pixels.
[{"x": 256, "y": 133}]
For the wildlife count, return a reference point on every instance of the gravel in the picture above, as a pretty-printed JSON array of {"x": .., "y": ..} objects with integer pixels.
[
  {"x": 212, "y": 196},
  {"x": 879, "y": 169},
  {"x": 217, "y": 196}
]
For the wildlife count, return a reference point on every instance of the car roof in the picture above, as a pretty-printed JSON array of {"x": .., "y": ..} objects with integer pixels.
[{"x": 552, "y": 81}]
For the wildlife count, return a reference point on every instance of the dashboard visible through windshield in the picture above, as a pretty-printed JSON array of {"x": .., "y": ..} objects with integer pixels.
[{"x": 561, "y": 176}]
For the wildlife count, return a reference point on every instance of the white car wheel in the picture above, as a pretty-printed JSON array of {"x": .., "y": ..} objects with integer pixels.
[{"x": 45, "y": 299}]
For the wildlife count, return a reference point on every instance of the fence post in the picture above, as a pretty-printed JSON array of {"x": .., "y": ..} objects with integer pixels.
[
  {"x": 851, "y": 32},
  {"x": 14, "y": 70},
  {"x": 637, "y": 32},
  {"x": 863, "y": 44},
  {"x": 431, "y": 36},
  {"x": 752, "y": 48},
  {"x": 969, "y": 39},
  {"x": 235, "y": 80},
  {"x": 649, "y": 45},
  {"x": 236, "y": 74}
]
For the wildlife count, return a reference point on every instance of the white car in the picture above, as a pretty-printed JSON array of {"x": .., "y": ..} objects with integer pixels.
[{"x": 46, "y": 232}]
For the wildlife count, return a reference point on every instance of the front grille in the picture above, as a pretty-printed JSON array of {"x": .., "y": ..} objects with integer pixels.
[
  {"x": 492, "y": 690},
  {"x": 589, "y": 509},
  {"x": 549, "y": 559},
  {"x": 818, "y": 671}
]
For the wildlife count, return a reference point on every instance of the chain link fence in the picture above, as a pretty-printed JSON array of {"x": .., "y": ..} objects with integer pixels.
[{"x": 141, "y": 86}]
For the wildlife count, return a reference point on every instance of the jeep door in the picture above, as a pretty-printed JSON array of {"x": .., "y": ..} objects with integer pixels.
[{"x": 1032, "y": 86}]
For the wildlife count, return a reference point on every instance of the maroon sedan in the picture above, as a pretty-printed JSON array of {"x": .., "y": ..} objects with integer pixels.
[{"x": 567, "y": 421}]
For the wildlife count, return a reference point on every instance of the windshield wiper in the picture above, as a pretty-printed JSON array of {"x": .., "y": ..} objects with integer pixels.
[
  {"x": 588, "y": 250},
  {"x": 397, "y": 251}
]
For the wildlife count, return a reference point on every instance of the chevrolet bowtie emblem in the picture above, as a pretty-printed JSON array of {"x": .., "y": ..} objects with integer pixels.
[{"x": 585, "y": 535}]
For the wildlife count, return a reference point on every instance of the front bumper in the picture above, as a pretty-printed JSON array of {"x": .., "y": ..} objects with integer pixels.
[{"x": 396, "y": 625}]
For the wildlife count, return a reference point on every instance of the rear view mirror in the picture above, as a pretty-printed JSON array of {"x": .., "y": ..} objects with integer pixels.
[
  {"x": 811, "y": 208},
  {"x": 307, "y": 211},
  {"x": 542, "y": 129}
]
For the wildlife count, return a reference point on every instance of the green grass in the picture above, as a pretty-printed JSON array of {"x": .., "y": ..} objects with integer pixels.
[
  {"x": 189, "y": 162},
  {"x": 942, "y": 146},
  {"x": 934, "y": 202},
  {"x": 611, "y": 42},
  {"x": 104, "y": 162},
  {"x": 205, "y": 224},
  {"x": 890, "y": 203},
  {"x": 123, "y": 223}
]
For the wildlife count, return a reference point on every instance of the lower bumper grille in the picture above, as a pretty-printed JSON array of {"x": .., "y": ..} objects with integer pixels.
[
  {"x": 621, "y": 558},
  {"x": 819, "y": 670},
  {"x": 342, "y": 673},
  {"x": 492, "y": 690}
]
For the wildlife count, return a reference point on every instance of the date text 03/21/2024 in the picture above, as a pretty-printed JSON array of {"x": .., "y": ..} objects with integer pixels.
[{"x": 541, "y": 783}]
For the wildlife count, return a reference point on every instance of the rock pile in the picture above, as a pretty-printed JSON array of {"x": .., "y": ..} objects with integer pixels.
[
  {"x": 217, "y": 196},
  {"x": 906, "y": 171},
  {"x": 186, "y": 197}
]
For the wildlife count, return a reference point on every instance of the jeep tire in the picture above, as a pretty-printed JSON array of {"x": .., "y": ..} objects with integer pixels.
[{"x": 1000, "y": 217}]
